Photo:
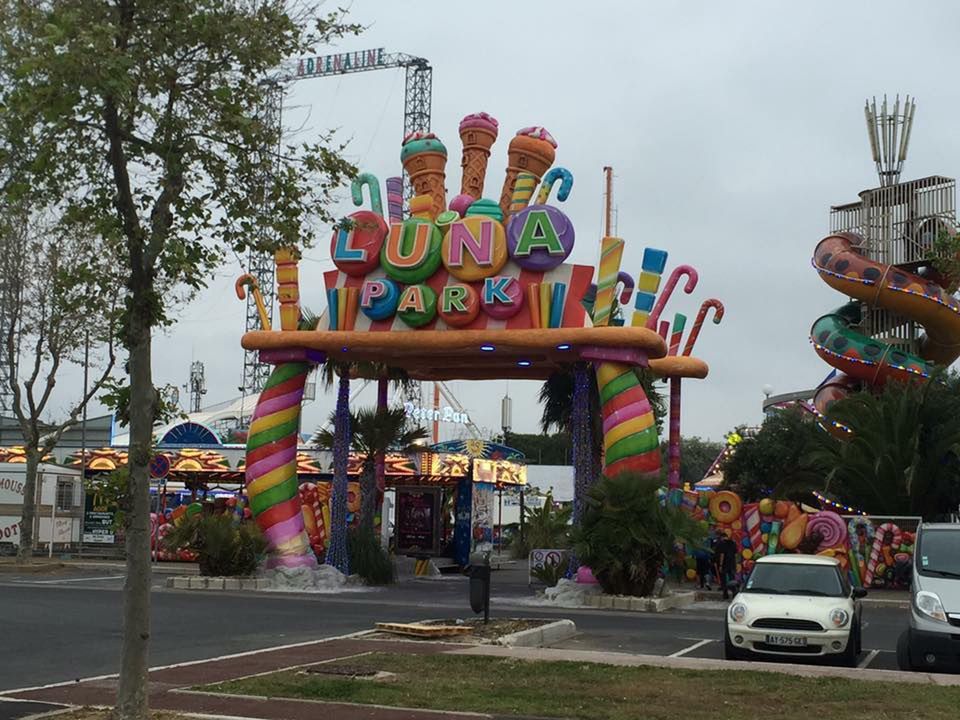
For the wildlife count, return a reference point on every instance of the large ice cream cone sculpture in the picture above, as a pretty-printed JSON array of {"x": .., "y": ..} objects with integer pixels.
[
  {"x": 532, "y": 150},
  {"x": 478, "y": 132},
  {"x": 424, "y": 158}
]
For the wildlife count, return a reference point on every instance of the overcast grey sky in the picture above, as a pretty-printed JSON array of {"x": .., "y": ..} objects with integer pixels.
[{"x": 731, "y": 126}]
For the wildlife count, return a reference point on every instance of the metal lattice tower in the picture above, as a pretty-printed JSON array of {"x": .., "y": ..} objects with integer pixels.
[
  {"x": 260, "y": 264},
  {"x": 416, "y": 117}
]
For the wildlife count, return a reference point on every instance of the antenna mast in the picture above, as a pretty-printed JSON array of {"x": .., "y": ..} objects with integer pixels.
[
  {"x": 889, "y": 132},
  {"x": 608, "y": 206}
]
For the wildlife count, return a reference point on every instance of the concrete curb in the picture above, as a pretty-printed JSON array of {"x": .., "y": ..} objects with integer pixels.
[
  {"x": 641, "y": 604},
  {"x": 548, "y": 634},
  {"x": 687, "y": 663},
  {"x": 201, "y": 582}
]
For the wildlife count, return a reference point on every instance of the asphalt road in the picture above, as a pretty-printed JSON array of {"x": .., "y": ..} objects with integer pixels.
[{"x": 67, "y": 626}]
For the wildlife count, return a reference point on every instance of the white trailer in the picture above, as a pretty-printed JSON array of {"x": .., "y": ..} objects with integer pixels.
[{"x": 58, "y": 521}]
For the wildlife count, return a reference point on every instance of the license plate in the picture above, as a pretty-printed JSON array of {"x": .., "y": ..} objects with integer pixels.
[{"x": 786, "y": 640}]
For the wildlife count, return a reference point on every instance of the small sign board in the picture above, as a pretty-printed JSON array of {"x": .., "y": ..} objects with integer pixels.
[
  {"x": 418, "y": 520},
  {"x": 159, "y": 466}
]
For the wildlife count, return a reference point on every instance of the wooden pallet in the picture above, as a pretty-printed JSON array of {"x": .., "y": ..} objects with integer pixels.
[{"x": 420, "y": 630}]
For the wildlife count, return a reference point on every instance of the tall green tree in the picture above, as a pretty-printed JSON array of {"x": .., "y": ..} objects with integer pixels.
[
  {"x": 903, "y": 455},
  {"x": 144, "y": 120},
  {"x": 52, "y": 315},
  {"x": 777, "y": 458},
  {"x": 374, "y": 432}
]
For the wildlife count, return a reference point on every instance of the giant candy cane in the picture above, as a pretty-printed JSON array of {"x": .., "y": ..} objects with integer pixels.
[
  {"x": 698, "y": 323},
  {"x": 691, "y": 284}
]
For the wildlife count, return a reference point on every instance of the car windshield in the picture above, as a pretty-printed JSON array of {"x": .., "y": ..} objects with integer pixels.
[
  {"x": 790, "y": 579},
  {"x": 939, "y": 553}
]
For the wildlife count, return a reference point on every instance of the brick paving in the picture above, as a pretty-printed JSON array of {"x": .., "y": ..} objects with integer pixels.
[{"x": 167, "y": 685}]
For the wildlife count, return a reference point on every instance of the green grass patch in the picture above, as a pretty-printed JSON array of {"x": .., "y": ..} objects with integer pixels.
[{"x": 603, "y": 692}]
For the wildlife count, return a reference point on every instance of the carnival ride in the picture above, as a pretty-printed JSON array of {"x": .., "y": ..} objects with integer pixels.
[
  {"x": 878, "y": 255},
  {"x": 473, "y": 289}
]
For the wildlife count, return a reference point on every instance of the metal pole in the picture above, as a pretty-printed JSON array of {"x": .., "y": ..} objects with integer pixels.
[
  {"x": 53, "y": 514},
  {"x": 608, "y": 208},
  {"x": 83, "y": 441}
]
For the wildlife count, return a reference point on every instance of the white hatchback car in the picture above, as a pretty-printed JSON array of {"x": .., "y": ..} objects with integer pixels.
[{"x": 795, "y": 606}]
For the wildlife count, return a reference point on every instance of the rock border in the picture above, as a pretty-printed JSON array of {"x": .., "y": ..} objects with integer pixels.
[
  {"x": 553, "y": 632},
  {"x": 641, "y": 604},
  {"x": 201, "y": 582}
]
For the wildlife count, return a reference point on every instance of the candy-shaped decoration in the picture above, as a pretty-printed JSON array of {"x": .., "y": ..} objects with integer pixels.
[
  {"x": 459, "y": 305},
  {"x": 502, "y": 297},
  {"x": 773, "y": 537},
  {"x": 395, "y": 198},
  {"x": 532, "y": 150},
  {"x": 672, "y": 281},
  {"x": 486, "y": 208},
  {"x": 478, "y": 132},
  {"x": 379, "y": 298},
  {"x": 626, "y": 285},
  {"x": 860, "y": 536},
  {"x": 751, "y": 521},
  {"x": 474, "y": 248},
  {"x": 701, "y": 316},
  {"x": 342, "y": 306},
  {"x": 766, "y": 506},
  {"x": 654, "y": 262},
  {"x": 887, "y": 534},
  {"x": 424, "y": 159},
  {"x": 630, "y": 442},
  {"x": 355, "y": 245},
  {"x": 288, "y": 287},
  {"x": 271, "y": 471},
  {"x": 679, "y": 321},
  {"x": 461, "y": 203},
  {"x": 611, "y": 252},
  {"x": 417, "y": 305},
  {"x": 248, "y": 282},
  {"x": 793, "y": 532},
  {"x": 412, "y": 251},
  {"x": 523, "y": 190},
  {"x": 831, "y": 527},
  {"x": 725, "y": 507},
  {"x": 541, "y": 236}
]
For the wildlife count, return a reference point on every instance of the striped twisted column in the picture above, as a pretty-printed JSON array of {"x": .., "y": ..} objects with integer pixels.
[
  {"x": 673, "y": 477},
  {"x": 271, "y": 474},
  {"x": 630, "y": 438}
]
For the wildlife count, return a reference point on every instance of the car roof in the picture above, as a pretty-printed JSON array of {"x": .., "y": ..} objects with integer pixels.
[
  {"x": 940, "y": 526},
  {"x": 791, "y": 559}
]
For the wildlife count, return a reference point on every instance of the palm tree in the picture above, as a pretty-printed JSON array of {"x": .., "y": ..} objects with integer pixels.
[
  {"x": 903, "y": 456},
  {"x": 374, "y": 433}
]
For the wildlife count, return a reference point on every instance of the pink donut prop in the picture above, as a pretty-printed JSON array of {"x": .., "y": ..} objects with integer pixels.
[
  {"x": 831, "y": 526},
  {"x": 876, "y": 551}
]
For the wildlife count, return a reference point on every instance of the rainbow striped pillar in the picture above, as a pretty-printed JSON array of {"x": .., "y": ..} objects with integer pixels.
[
  {"x": 630, "y": 439},
  {"x": 271, "y": 474}
]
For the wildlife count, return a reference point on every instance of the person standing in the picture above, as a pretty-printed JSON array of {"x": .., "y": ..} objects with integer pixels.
[{"x": 725, "y": 558}]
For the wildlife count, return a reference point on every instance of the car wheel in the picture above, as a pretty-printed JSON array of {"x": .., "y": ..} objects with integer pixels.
[
  {"x": 731, "y": 651},
  {"x": 904, "y": 661},
  {"x": 850, "y": 655}
]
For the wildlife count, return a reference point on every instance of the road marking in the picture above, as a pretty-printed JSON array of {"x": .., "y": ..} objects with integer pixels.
[
  {"x": 72, "y": 580},
  {"x": 868, "y": 659},
  {"x": 681, "y": 653},
  {"x": 188, "y": 663}
]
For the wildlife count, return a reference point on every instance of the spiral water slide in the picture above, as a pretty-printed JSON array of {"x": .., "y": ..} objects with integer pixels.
[{"x": 842, "y": 265}]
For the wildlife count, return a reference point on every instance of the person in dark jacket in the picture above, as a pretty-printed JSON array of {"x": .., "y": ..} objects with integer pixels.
[{"x": 725, "y": 558}]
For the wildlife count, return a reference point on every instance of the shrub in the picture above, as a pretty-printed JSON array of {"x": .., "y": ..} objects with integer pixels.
[
  {"x": 626, "y": 533},
  {"x": 223, "y": 548},
  {"x": 550, "y": 575},
  {"x": 547, "y": 526},
  {"x": 368, "y": 559}
]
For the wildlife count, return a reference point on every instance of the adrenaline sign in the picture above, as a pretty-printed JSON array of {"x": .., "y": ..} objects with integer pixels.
[{"x": 340, "y": 63}]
